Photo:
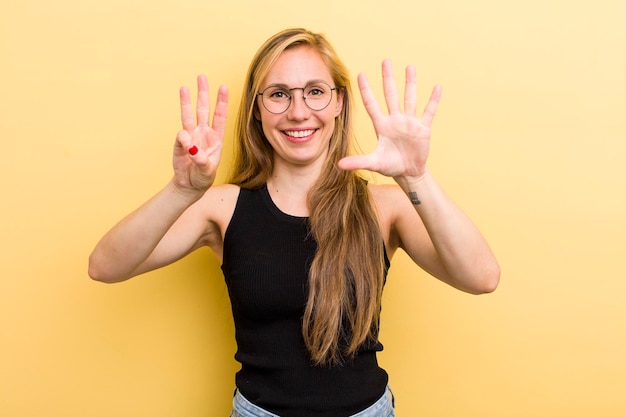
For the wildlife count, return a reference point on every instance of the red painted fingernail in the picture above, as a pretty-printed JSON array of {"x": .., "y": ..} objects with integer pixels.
[{"x": 193, "y": 150}]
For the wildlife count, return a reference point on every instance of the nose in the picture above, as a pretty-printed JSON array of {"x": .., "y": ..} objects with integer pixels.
[{"x": 298, "y": 109}]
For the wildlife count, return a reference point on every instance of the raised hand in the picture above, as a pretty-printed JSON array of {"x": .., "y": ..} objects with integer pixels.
[
  {"x": 403, "y": 138},
  {"x": 198, "y": 146}
]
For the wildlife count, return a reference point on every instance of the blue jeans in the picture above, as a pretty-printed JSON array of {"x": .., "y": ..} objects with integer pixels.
[{"x": 381, "y": 408}]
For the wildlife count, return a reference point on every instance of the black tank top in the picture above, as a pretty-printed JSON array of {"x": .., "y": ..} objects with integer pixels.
[{"x": 267, "y": 255}]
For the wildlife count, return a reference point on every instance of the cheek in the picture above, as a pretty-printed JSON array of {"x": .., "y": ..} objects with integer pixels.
[
  {"x": 267, "y": 121},
  {"x": 330, "y": 118},
  {"x": 268, "y": 127}
]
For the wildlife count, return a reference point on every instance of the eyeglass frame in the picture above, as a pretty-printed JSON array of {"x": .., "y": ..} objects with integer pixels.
[{"x": 260, "y": 94}]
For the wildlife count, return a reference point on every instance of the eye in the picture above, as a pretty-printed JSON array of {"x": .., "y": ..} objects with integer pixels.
[
  {"x": 277, "y": 94},
  {"x": 316, "y": 91}
]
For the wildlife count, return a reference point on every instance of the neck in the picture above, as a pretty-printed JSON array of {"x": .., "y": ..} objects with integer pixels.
[{"x": 289, "y": 188}]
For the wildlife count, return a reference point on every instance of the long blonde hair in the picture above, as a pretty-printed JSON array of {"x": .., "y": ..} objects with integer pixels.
[{"x": 347, "y": 273}]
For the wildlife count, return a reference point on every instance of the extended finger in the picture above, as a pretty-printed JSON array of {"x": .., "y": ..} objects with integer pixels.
[
  {"x": 431, "y": 106},
  {"x": 221, "y": 110},
  {"x": 389, "y": 87},
  {"x": 369, "y": 100},
  {"x": 186, "y": 110},
  {"x": 202, "y": 107},
  {"x": 410, "y": 92}
]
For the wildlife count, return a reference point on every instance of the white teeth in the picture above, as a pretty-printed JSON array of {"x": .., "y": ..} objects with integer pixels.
[{"x": 299, "y": 133}]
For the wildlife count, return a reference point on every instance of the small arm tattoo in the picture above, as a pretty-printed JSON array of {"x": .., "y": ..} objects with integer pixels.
[{"x": 414, "y": 199}]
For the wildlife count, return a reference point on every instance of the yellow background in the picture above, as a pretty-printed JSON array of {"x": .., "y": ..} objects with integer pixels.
[{"x": 530, "y": 140}]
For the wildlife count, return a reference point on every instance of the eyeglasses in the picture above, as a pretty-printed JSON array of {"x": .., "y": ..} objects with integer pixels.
[{"x": 277, "y": 98}]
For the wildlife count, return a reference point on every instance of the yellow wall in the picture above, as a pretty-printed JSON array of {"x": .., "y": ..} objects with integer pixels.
[{"x": 530, "y": 140}]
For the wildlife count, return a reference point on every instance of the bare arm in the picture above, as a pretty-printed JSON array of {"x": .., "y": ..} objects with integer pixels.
[
  {"x": 172, "y": 223},
  {"x": 440, "y": 238},
  {"x": 129, "y": 248},
  {"x": 457, "y": 252}
]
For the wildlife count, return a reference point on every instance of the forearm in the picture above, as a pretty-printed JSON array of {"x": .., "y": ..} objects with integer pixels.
[
  {"x": 121, "y": 251},
  {"x": 462, "y": 251}
]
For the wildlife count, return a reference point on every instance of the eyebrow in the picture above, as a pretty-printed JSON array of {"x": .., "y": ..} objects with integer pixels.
[{"x": 286, "y": 87}]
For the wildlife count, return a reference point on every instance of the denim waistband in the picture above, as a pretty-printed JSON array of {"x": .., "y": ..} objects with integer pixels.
[{"x": 383, "y": 407}]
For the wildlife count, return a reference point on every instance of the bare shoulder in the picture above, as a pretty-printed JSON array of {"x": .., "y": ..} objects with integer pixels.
[
  {"x": 217, "y": 207},
  {"x": 389, "y": 198},
  {"x": 386, "y": 191},
  {"x": 222, "y": 194},
  {"x": 219, "y": 202}
]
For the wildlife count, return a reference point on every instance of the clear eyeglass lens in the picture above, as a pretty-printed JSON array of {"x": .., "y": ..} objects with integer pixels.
[{"x": 316, "y": 96}]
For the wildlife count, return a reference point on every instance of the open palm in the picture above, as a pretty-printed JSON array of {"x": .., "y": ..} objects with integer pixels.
[
  {"x": 403, "y": 138},
  {"x": 198, "y": 147}
]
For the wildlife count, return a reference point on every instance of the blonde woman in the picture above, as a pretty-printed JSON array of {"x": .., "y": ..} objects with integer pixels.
[{"x": 304, "y": 241}]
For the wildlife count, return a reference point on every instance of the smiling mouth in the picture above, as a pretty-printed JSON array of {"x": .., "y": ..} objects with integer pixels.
[{"x": 299, "y": 133}]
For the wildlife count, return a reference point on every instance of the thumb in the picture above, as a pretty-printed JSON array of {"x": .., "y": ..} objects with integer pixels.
[{"x": 355, "y": 162}]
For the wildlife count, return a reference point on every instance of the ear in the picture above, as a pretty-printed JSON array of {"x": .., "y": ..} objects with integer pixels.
[
  {"x": 256, "y": 113},
  {"x": 339, "y": 106}
]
